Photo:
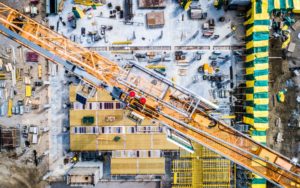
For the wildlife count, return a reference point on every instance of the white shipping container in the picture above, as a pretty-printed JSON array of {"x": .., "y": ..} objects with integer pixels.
[
  {"x": 33, "y": 130},
  {"x": 13, "y": 109},
  {"x": 21, "y": 109},
  {"x": 33, "y": 10},
  {"x": 34, "y": 138},
  {"x": 17, "y": 109},
  {"x": 27, "y": 9},
  {"x": 1, "y": 64},
  {"x": 46, "y": 82}
]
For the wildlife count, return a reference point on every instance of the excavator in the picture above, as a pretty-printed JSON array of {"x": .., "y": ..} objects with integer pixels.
[{"x": 150, "y": 95}]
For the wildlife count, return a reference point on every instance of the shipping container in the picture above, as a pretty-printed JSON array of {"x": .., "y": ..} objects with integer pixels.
[
  {"x": 40, "y": 71},
  {"x": 27, "y": 91},
  {"x": 34, "y": 139},
  {"x": 10, "y": 106},
  {"x": 21, "y": 109}
]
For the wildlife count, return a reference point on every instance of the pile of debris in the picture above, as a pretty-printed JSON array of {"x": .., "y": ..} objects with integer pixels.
[{"x": 281, "y": 21}]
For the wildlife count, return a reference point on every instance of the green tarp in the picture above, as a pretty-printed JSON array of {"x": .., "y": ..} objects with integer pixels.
[
  {"x": 261, "y": 95},
  {"x": 261, "y": 60},
  {"x": 257, "y": 50},
  {"x": 257, "y": 107},
  {"x": 259, "y": 181},
  {"x": 282, "y": 3},
  {"x": 258, "y": 119},
  {"x": 257, "y": 22},
  {"x": 258, "y": 6},
  {"x": 257, "y": 36},
  {"x": 261, "y": 83},
  {"x": 259, "y": 133}
]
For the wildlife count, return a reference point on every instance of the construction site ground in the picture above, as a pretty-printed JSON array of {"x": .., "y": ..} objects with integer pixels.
[
  {"x": 19, "y": 165},
  {"x": 17, "y": 168},
  {"x": 279, "y": 77},
  {"x": 180, "y": 33},
  {"x": 53, "y": 144},
  {"x": 21, "y": 172}
]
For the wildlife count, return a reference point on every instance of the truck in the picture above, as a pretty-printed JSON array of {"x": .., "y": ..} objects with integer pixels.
[{"x": 205, "y": 69}]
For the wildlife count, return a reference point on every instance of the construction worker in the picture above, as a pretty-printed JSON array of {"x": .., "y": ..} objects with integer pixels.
[{"x": 281, "y": 95}]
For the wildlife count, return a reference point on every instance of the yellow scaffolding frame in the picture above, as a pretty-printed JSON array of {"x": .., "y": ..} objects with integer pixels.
[
  {"x": 197, "y": 160},
  {"x": 202, "y": 169},
  {"x": 182, "y": 172}
]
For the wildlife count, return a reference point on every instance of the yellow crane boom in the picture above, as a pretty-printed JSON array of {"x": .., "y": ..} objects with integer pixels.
[{"x": 153, "y": 96}]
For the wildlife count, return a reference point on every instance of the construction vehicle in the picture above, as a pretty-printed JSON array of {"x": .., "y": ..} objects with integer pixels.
[
  {"x": 32, "y": 57},
  {"x": 154, "y": 96},
  {"x": 206, "y": 69}
]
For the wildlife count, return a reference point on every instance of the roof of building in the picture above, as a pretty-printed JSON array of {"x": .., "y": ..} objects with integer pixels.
[
  {"x": 94, "y": 142},
  {"x": 155, "y": 19},
  {"x": 128, "y": 141},
  {"x": 82, "y": 171},
  {"x": 137, "y": 166},
  {"x": 121, "y": 118},
  {"x": 84, "y": 175}
]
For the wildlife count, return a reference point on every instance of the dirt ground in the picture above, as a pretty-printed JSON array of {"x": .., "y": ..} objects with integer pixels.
[
  {"x": 21, "y": 172},
  {"x": 14, "y": 174},
  {"x": 279, "y": 74}
]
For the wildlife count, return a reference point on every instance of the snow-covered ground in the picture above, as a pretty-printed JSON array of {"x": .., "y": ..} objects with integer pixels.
[{"x": 176, "y": 32}]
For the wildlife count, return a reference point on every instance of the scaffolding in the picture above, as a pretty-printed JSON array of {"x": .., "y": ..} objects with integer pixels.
[
  {"x": 183, "y": 175},
  {"x": 10, "y": 137},
  {"x": 202, "y": 169}
]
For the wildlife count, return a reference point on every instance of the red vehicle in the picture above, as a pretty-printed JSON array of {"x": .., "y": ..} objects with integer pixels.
[
  {"x": 32, "y": 57},
  {"x": 207, "y": 34},
  {"x": 34, "y": 2}
]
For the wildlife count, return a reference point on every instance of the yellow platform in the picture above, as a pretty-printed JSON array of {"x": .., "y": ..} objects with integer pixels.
[
  {"x": 131, "y": 166},
  {"x": 94, "y": 142}
]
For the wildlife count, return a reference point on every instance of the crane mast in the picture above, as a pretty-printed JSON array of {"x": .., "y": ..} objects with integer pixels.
[{"x": 177, "y": 108}]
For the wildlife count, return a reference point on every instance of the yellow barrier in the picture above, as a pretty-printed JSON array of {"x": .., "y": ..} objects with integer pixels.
[
  {"x": 40, "y": 71},
  {"x": 296, "y": 6},
  {"x": 27, "y": 91},
  {"x": 122, "y": 42},
  {"x": 9, "y": 109}
]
